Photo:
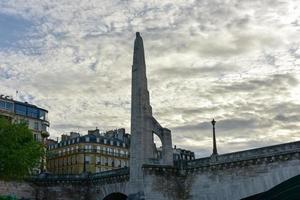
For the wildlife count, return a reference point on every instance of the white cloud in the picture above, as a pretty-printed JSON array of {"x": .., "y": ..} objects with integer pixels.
[{"x": 232, "y": 60}]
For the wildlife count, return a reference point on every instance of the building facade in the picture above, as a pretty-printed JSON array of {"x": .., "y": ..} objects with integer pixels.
[
  {"x": 93, "y": 152},
  {"x": 179, "y": 154},
  {"x": 96, "y": 152},
  {"x": 182, "y": 154},
  {"x": 17, "y": 112}
]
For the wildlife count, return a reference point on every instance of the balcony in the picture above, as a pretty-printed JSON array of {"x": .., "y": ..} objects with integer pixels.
[
  {"x": 95, "y": 151},
  {"x": 45, "y": 134}
]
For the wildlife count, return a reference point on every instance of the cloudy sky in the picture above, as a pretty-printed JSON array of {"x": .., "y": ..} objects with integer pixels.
[{"x": 235, "y": 61}]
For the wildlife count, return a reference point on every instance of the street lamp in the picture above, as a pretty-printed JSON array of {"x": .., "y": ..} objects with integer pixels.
[
  {"x": 215, "y": 152},
  {"x": 84, "y": 161}
]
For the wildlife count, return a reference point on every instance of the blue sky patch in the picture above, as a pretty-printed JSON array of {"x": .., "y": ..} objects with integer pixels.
[{"x": 12, "y": 30}]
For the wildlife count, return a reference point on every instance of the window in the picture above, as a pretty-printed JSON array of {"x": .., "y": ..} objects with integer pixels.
[
  {"x": 109, "y": 150},
  {"x": 9, "y": 106},
  {"x": 32, "y": 112},
  {"x": 88, "y": 148},
  {"x": 42, "y": 115},
  {"x": 20, "y": 109},
  {"x": 87, "y": 139},
  {"x": 35, "y": 137},
  {"x": 36, "y": 125},
  {"x": 110, "y": 161},
  {"x": 98, "y": 160},
  {"x": 118, "y": 163},
  {"x": 4, "y": 105},
  {"x": 98, "y": 149},
  {"x": 104, "y": 160},
  {"x": 24, "y": 121},
  {"x": 87, "y": 159},
  {"x": 44, "y": 127},
  {"x": 123, "y": 163}
]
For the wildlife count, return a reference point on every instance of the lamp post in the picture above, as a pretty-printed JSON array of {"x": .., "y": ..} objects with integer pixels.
[
  {"x": 44, "y": 135},
  {"x": 215, "y": 152},
  {"x": 84, "y": 162}
]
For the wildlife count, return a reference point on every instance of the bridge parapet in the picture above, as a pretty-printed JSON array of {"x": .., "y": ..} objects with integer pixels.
[
  {"x": 111, "y": 176},
  {"x": 161, "y": 169},
  {"x": 249, "y": 157}
]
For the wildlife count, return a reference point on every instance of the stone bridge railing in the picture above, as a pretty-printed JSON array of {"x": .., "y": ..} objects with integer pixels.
[
  {"x": 111, "y": 176},
  {"x": 281, "y": 152},
  {"x": 253, "y": 156}
]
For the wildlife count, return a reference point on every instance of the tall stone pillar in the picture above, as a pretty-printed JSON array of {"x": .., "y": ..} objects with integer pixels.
[
  {"x": 167, "y": 149},
  {"x": 143, "y": 125},
  {"x": 140, "y": 111}
]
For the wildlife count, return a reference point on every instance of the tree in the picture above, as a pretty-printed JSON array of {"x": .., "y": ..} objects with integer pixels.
[{"x": 19, "y": 153}]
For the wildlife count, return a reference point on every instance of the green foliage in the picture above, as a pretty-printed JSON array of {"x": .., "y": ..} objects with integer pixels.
[
  {"x": 7, "y": 198},
  {"x": 19, "y": 153}
]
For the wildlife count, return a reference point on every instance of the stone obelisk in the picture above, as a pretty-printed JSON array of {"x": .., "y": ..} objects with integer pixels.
[
  {"x": 140, "y": 111},
  {"x": 143, "y": 125}
]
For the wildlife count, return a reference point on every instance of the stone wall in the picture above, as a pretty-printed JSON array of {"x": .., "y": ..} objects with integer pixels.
[
  {"x": 236, "y": 182},
  {"x": 216, "y": 181},
  {"x": 63, "y": 192},
  {"x": 31, "y": 191},
  {"x": 251, "y": 154},
  {"x": 17, "y": 189},
  {"x": 79, "y": 191},
  {"x": 99, "y": 192},
  {"x": 220, "y": 181},
  {"x": 164, "y": 183}
]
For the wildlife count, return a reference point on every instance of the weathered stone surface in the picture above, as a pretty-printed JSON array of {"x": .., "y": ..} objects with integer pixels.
[
  {"x": 18, "y": 189},
  {"x": 241, "y": 181},
  {"x": 63, "y": 192},
  {"x": 169, "y": 183},
  {"x": 143, "y": 125}
]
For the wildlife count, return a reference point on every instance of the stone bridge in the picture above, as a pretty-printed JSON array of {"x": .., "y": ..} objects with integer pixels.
[
  {"x": 227, "y": 177},
  {"x": 82, "y": 186},
  {"x": 251, "y": 174}
]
